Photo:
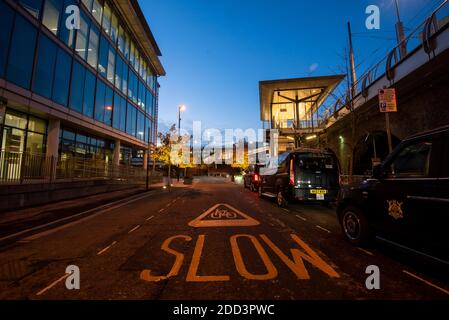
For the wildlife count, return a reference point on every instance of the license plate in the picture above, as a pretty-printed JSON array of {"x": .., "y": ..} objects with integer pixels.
[
  {"x": 320, "y": 196},
  {"x": 318, "y": 191}
]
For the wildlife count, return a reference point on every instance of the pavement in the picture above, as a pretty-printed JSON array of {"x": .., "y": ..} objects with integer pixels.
[{"x": 212, "y": 240}]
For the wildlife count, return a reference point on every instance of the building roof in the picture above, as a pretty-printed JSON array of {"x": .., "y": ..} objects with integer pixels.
[
  {"x": 136, "y": 21},
  {"x": 298, "y": 87}
]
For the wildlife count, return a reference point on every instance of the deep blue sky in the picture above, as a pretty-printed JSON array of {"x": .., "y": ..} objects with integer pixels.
[{"x": 216, "y": 52}]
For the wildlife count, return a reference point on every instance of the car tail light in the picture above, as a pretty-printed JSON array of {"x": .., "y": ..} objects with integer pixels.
[
  {"x": 256, "y": 178},
  {"x": 292, "y": 173}
]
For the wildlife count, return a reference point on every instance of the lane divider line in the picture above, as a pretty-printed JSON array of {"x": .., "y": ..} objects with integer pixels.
[
  {"x": 161, "y": 210},
  {"x": 302, "y": 218},
  {"x": 425, "y": 281},
  {"x": 106, "y": 249},
  {"x": 52, "y": 285},
  {"x": 149, "y": 218},
  {"x": 134, "y": 229},
  {"x": 366, "y": 251},
  {"x": 324, "y": 229}
]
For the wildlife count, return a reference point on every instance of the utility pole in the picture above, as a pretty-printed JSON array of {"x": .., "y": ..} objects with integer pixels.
[
  {"x": 400, "y": 33},
  {"x": 352, "y": 64}
]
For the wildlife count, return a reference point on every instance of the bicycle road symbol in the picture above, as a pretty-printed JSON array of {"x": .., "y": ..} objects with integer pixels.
[{"x": 223, "y": 213}]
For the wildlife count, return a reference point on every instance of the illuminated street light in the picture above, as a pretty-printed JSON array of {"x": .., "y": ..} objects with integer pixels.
[{"x": 181, "y": 108}]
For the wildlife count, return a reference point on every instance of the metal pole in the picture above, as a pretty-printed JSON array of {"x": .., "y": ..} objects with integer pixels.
[
  {"x": 352, "y": 63},
  {"x": 400, "y": 33},
  {"x": 387, "y": 125}
]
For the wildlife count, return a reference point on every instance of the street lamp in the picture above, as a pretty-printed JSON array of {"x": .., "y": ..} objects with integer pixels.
[{"x": 181, "y": 108}]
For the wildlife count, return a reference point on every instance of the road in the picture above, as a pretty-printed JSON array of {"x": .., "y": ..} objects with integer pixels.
[{"x": 212, "y": 240}]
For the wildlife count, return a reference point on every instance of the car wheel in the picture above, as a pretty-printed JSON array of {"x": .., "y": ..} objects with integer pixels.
[
  {"x": 280, "y": 199},
  {"x": 355, "y": 226}
]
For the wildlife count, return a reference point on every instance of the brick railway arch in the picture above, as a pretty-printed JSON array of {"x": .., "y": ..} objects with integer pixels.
[{"x": 366, "y": 147}]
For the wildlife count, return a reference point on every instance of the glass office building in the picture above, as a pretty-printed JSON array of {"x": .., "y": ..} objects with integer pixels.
[{"x": 89, "y": 92}]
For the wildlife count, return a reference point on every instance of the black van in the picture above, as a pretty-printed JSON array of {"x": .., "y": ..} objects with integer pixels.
[
  {"x": 304, "y": 175},
  {"x": 406, "y": 202}
]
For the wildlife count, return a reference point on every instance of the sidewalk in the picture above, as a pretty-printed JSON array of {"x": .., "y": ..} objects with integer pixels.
[{"x": 19, "y": 220}]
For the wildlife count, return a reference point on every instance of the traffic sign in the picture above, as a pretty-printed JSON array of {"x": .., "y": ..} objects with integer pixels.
[
  {"x": 223, "y": 215},
  {"x": 387, "y": 100}
]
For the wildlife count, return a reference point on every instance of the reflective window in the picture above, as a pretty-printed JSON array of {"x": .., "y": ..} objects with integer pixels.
[
  {"x": 88, "y": 4},
  {"x": 127, "y": 45},
  {"x": 6, "y": 24},
  {"x": 111, "y": 65},
  {"x": 37, "y": 125},
  {"x": 15, "y": 119},
  {"x": 118, "y": 73},
  {"x": 62, "y": 77},
  {"x": 131, "y": 119},
  {"x": 81, "y": 36},
  {"x": 99, "y": 101},
  {"x": 114, "y": 27},
  {"x": 89, "y": 95},
  {"x": 141, "y": 126},
  {"x": 77, "y": 89},
  {"x": 97, "y": 10},
  {"x": 107, "y": 19},
  {"x": 94, "y": 38},
  {"x": 66, "y": 35},
  {"x": 119, "y": 116},
  {"x": 104, "y": 55},
  {"x": 35, "y": 143},
  {"x": 32, "y": 6},
  {"x": 413, "y": 160},
  {"x": 121, "y": 39},
  {"x": 149, "y": 102},
  {"x": 108, "y": 102},
  {"x": 51, "y": 15},
  {"x": 45, "y": 67},
  {"x": 125, "y": 78},
  {"x": 21, "y": 54}
]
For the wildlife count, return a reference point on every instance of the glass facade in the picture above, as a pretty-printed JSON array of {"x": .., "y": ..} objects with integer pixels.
[{"x": 98, "y": 71}]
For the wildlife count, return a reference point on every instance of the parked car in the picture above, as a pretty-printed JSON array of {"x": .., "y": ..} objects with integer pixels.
[
  {"x": 406, "y": 202},
  {"x": 303, "y": 175},
  {"x": 252, "y": 177}
]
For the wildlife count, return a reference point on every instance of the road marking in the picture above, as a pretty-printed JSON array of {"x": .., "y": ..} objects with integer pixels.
[
  {"x": 106, "y": 249},
  {"x": 324, "y": 229},
  {"x": 286, "y": 210},
  {"x": 426, "y": 282},
  {"x": 223, "y": 215},
  {"x": 161, "y": 210},
  {"x": 168, "y": 205},
  {"x": 366, "y": 251},
  {"x": 134, "y": 229},
  {"x": 149, "y": 218},
  {"x": 302, "y": 218},
  {"x": 52, "y": 285}
]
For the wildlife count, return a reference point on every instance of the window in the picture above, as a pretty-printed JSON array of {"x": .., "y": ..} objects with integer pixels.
[
  {"x": 149, "y": 102},
  {"x": 88, "y": 4},
  {"x": 97, "y": 10},
  {"x": 141, "y": 99},
  {"x": 66, "y": 35},
  {"x": 413, "y": 160},
  {"x": 99, "y": 101},
  {"x": 141, "y": 126},
  {"x": 32, "y": 6},
  {"x": 45, "y": 67},
  {"x": 125, "y": 78},
  {"x": 119, "y": 116},
  {"x": 89, "y": 95},
  {"x": 37, "y": 125},
  {"x": 127, "y": 45},
  {"x": 51, "y": 15},
  {"x": 62, "y": 77},
  {"x": 148, "y": 130},
  {"x": 114, "y": 28},
  {"x": 121, "y": 39},
  {"x": 132, "y": 86},
  {"x": 108, "y": 102},
  {"x": 111, "y": 65},
  {"x": 119, "y": 73},
  {"x": 77, "y": 89},
  {"x": 107, "y": 19},
  {"x": 92, "y": 54},
  {"x": 104, "y": 55},
  {"x": 6, "y": 24},
  {"x": 21, "y": 54},
  {"x": 82, "y": 36},
  {"x": 131, "y": 119}
]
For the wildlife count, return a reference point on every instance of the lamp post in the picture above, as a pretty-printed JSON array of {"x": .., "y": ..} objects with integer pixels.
[{"x": 181, "y": 108}]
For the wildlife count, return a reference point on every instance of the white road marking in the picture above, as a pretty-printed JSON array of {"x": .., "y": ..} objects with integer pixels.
[
  {"x": 425, "y": 281},
  {"x": 106, "y": 249},
  {"x": 366, "y": 251},
  {"x": 52, "y": 284},
  {"x": 302, "y": 218},
  {"x": 134, "y": 229},
  {"x": 149, "y": 218},
  {"x": 324, "y": 229},
  {"x": 161, "y": 210}
]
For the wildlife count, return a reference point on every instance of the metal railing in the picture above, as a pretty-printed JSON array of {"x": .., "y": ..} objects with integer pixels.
[
  {"x": 25, "y": 168},
  {"x": 420, "y": 36}
]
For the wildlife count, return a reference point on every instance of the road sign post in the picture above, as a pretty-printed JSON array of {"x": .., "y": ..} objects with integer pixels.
[{"x": 387, "y": 104}]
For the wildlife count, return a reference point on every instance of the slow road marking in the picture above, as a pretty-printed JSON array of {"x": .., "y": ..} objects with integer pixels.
[{"x": 223, "y": 215}]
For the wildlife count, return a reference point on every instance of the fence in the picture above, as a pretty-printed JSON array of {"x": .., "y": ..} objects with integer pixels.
[{"x": 25, "y": 168}]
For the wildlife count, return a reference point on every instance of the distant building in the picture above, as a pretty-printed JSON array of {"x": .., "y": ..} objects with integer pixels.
[{"x": 90, "y": 93}]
